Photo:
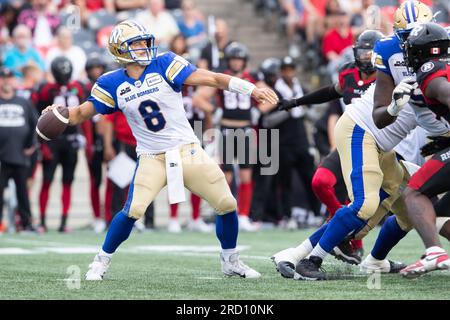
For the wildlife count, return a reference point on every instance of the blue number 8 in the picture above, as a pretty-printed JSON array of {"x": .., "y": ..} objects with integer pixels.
[{"x": 153, "y": 118}]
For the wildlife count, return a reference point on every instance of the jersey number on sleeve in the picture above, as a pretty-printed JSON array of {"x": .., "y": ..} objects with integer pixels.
[{"x": 153, "y": 118}]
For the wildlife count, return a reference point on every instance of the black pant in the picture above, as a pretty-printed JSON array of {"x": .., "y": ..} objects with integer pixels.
[
  {"x": 19, "y": 174},
  {"x": 65, "y": 152},
  {"x": 296, "y": 159}
]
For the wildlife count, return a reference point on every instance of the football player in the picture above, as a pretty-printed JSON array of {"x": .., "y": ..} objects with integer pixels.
[
  {"x": 148, "y": 91},
  {"x": 95, "y": 67},
  {"x": 354, "y": 79},
  {"x": 236, "y": 117},
  {"x": 64, "y": 149},
  {"x": 427, "y": 54}
]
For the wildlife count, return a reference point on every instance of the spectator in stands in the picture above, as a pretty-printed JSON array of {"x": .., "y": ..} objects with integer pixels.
[
  {"x": 65, "y": 47},
  {"x": 32, "y": 77},
  {"x": 179, "y": 46},
  {"x": 294, "y": 10},
  {"x": 8, "y": 21},
  {"x": 43, "y": 20},
  {"x": 159, "y": 22},
  {"x": 130, "y": 4},
  {"x": 213, "y": 56},
  {"x": 22, "y": 53},
  {"x": 336, "y": 40},
  {"x": 192, "y": 28},
  {"x": 17, "y": 142}
]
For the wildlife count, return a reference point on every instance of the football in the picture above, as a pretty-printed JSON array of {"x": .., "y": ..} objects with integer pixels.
[{"x": 52, "y": 123}]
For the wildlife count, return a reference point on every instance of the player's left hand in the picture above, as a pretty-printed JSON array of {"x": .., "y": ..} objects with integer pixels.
[{"x": 263, "y": 95}]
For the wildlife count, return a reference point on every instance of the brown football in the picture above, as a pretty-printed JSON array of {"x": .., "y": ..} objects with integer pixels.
[{"x": 52, "y": 123}]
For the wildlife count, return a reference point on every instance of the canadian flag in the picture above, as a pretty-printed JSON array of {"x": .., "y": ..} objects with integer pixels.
[{"x": 435, "y": 50}]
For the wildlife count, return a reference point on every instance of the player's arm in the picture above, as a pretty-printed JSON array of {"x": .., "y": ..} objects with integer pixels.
[
  {"x": 202, "y": 77},
  {"x": 322, "y": 95},
  {"x": 384, "y": 86},
  {"x": 439, "y": 89},
  {"x": 77, "y": 114},
  {"x": 389, "y": 99}
]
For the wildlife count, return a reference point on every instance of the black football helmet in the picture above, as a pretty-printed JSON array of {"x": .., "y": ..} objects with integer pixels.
[
  {"x": 236, "y": 50},
  {"x": 426, "y": 42},
  {"x": 61, "y": 69},
  {"x": 363, "y": 50},
  {"x": 270, "y": 69},
  {"x": 288, "y": 62},
  {"x": 94, "y": 60}
]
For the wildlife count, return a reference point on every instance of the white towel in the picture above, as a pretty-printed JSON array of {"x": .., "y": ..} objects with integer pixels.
[{"x": 174, "y": 170}]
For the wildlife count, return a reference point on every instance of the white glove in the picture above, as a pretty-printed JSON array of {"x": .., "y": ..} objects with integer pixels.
[{"x": 401, "y": 96}]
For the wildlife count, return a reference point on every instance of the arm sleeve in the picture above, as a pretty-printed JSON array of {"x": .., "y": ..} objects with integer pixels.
[
  {"x": 103, "y": 96},
  {"x": 321, "y": 95},
  {"x": 275, "y": 118},
  {"x": 176, "y": 70}
]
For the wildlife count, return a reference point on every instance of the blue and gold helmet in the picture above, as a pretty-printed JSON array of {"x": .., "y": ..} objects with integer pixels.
[
  {"x": 123, "y": 35},
  {"x": 408, "y": 16}
]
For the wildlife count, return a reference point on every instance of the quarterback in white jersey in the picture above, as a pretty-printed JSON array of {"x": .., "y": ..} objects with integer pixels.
[{"x": 148, "y": 91}]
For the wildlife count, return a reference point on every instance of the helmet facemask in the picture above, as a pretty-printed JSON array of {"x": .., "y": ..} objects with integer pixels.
[
  {"x": 150, "y": 50},
  {"x": 363, "y": 59}
]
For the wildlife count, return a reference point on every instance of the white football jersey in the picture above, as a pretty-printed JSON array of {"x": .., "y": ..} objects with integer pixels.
[
  {"x": 153, "y": 104},
  {"x": 389, "y": 58},
  {"x": 394, "y": 136}
]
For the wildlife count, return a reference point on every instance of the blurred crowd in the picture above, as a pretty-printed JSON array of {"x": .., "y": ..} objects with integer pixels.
[
  {"x": 321, "y": 32},
  {"x": 52, "y": 51}
]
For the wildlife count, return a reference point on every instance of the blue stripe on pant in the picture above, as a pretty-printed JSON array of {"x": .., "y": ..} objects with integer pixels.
[{"x": 346, "y": 220}]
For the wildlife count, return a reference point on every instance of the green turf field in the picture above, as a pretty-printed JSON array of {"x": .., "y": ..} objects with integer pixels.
[{"x": 154, "y": 265}]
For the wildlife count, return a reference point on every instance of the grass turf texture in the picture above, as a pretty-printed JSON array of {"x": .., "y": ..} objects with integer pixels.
[{"x": 197, "y": 275}]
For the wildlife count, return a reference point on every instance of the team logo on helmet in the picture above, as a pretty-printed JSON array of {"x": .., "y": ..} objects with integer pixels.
[
  {"x": 121, "y": 39},
  {"x": 427, "y": 67}
]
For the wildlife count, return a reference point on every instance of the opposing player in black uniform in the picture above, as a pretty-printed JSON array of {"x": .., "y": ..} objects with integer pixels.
[
  {"x": 428, "y": 54},
  {"x": 62, "y": 150},
  {"x": 236, "y": 121}
]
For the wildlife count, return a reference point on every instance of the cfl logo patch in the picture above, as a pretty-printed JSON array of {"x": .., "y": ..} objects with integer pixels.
[{"x": 173, "y": 164}]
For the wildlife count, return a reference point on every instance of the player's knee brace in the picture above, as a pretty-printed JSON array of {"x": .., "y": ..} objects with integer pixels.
[{"x": 226, "y": 204}]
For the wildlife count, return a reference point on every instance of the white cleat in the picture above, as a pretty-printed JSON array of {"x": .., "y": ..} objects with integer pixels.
[
  {"x": 372, "y": 265},
  {"x": 139, "y": 226},
  {"x": 285, "y": 255},
  {"x": 99, "y": 225},
  {"x": 285, "y": 262},
  {"x": 199, "y": 225},
  {"x": 97, "y": 268},
  {"x": 235, "y": 267},
  {"x": 246, "y": 225},
  {"x": 174, "y": 226}
]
